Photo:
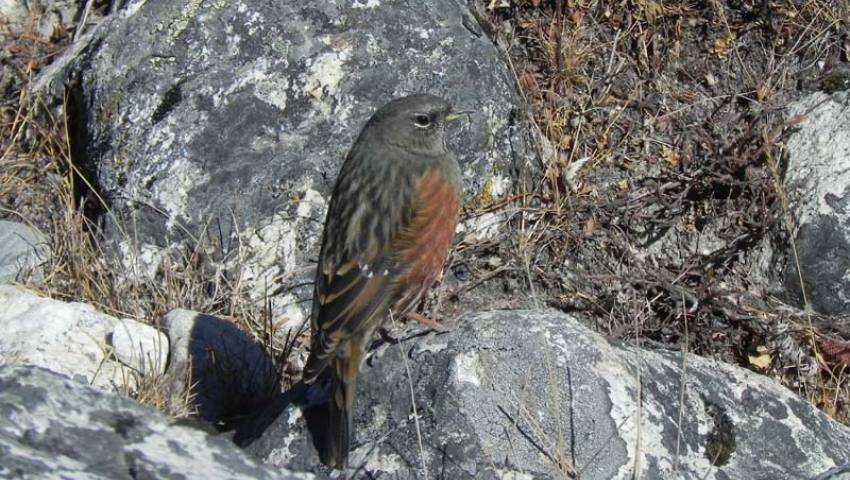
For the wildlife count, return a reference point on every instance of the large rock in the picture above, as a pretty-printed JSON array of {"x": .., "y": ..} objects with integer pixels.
[
  {"x": 53, "y": 427},
  {"x": 224, "y": 123},
  {"x": 68, "y": 338},
  {"x": 530, "y": 394},
  {"x": 818, "y": 185},
  {"x": 140, "y": 347},
  {"x": 77, "y": 340}
]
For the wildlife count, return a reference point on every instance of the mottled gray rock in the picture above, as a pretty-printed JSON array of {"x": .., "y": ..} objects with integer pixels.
[
  {"x": 818, "y": 185},
  {"x": 528, "y": 394},
  {"x": 215, "y": 370},
  {"x": 53, "y": 427},
  {"x": 22, "y": 250},
  {"x": 14, "y": 12},
  {"x": 69, "y": 338},
  {"x": 139, "y": 346},
  {"x": 224, "y": 123}
]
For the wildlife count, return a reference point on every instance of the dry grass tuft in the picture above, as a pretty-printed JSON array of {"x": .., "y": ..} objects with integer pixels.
[{"x": 664, "y": 124}]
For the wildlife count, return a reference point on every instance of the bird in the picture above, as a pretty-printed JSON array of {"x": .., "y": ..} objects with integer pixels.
[{"x": 388, "y": 232}]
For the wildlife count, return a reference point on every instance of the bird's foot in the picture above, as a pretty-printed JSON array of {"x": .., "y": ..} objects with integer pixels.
[
  {"x": 394, "y": 336},
  {"x": 388, "y": 336},
  {"x": 428, "y": 322}
]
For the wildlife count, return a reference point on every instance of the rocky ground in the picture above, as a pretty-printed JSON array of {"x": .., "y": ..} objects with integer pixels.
[
  {"x": 668, "y": 189},
  {"x": 672, "y": 177}
]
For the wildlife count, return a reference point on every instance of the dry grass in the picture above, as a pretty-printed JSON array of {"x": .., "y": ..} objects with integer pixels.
[
  {"x": 660, "y": 181},
  {"x": 41, "y": 186},
  {"x": 663, "y": 121}
]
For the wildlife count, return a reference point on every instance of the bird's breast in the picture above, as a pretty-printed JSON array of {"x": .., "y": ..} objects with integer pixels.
[{"x": 424, "y": 246}]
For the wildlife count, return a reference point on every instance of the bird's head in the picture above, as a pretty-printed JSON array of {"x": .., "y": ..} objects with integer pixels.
[{"x": 416, "y": 123}]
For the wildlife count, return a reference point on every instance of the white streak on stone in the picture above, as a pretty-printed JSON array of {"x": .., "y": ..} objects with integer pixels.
[
  {"x": 325, "y": 71},
  {"x": 365, "y": 4},
  {"x": 465, "y": 369}
]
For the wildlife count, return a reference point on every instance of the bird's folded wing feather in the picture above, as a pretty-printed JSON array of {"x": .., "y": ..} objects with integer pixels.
[
  {"x": 355, "y": 281},
  {"x": 346, "y": 297}
]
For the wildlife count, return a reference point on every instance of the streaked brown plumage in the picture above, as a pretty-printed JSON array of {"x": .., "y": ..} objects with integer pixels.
[{"x": 389, "y": 229}]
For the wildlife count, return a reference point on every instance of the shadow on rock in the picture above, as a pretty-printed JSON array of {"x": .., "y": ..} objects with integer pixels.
[
  {"x": 311, "y": 404},
  {"x": 293, "y": 424},
  {"x": 216, "y": 370}
]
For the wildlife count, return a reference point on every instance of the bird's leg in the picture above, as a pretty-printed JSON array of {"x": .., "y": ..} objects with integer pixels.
[
  {"x": 427, "y": 321},
  {"x": 388, "y": 336},
  {"x": 391, "y": 335}
]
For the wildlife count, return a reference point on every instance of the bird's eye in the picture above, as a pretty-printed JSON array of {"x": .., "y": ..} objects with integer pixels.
[{"x": 422, "y": 120}]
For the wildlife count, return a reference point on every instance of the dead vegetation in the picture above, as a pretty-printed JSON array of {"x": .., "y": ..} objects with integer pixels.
[
  {"x": 661, "y": 197},
  {"x": 41, "y": 186},
  {"x": 661, "y": 183}
]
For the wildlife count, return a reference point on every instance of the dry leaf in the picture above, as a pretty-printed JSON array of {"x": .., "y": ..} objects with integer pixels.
[
  {"x": 670, "y": 157},
  {"x": 590, "y": 227},
  {"x": 722, "y": 45},
  {"x": 761, "y": 361}
]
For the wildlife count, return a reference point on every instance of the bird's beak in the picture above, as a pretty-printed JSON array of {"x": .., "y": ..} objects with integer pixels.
[{"x": 451, "y": 117}]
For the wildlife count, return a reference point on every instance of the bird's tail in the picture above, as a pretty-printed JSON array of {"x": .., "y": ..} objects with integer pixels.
[{"x": 343, "y": 386}]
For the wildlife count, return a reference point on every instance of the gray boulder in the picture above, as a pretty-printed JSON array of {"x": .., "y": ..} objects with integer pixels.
[
  {"x": 53, "y": 427},
  {"x": 140, "y": 347},
  {"x": 531, "y": 394},
  {"x": 69, "y": 338},
  {"x": 221, "y": 125},
  {"x": 818, "y": 185},
  {"x": 22, "y": 250}
]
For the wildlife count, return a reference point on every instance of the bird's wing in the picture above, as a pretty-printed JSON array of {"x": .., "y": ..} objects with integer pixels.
[
  {"x": 357, "y": 265},
  {"x": 347, "y": 297}
]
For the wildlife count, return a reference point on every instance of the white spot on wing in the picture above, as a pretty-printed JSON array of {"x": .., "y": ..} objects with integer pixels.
[{"x": 366, "y": 269}]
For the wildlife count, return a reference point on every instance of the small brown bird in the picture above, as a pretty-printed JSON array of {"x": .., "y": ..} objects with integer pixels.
[{"x": 388, "y": 232}]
